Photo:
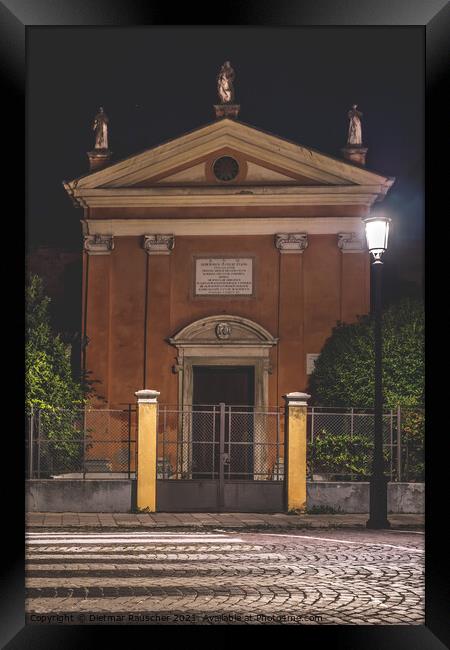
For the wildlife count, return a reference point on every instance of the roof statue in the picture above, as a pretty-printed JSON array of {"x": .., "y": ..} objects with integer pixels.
[
  {"x": 100, "y": 127},
  {"x": 225, "y": 80},
  {"x": 354, "y": 128}
]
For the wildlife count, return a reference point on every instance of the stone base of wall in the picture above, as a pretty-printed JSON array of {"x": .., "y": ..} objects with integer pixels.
[
  {"x": 117, "y": 495},
  {"x": 353, "y": 497},
  {"x": 75, "y": 495}
]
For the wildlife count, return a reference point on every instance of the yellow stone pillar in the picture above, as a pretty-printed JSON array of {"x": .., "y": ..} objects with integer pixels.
[
  {"x": 147, "y": 404},
  {"x": 295, "y": 441}
]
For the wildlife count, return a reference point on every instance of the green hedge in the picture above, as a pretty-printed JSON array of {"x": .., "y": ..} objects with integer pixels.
[{"x": 344, "y": 377}]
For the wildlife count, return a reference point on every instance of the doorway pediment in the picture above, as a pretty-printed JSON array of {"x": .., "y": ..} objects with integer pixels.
[
  {"x": 223, "y": 340},
  {"x": 223, "y": 331}
]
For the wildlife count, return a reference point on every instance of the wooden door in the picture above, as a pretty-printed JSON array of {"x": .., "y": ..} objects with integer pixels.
[{"x": 234, "y": 386}]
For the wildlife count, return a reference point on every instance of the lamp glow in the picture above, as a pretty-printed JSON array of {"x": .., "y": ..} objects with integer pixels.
[{"x": 377, "y": 233}]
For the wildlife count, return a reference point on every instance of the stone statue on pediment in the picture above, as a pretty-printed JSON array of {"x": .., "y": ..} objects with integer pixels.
[
  {"x": 354, "y": 128},
  {"x": 225, "y": 80},
  {"x": 100, "y": 128}
]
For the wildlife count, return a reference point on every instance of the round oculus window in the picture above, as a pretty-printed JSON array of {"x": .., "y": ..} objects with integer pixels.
[{"x": 226, "y": 168}]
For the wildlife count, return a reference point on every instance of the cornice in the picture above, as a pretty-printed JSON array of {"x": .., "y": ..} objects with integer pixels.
[
  {"x": 224, "y": 197},
  {"x": 224, "y": 227}
]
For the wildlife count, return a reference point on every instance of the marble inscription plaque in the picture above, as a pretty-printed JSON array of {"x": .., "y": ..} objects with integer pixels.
[{"x": 224, "y": 276}]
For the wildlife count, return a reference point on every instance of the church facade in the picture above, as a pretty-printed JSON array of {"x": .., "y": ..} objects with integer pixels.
[{"x": 217, "y": 264}]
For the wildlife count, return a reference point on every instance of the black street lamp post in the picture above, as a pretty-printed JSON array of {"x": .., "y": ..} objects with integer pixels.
[{"x": 377, "y": 231}]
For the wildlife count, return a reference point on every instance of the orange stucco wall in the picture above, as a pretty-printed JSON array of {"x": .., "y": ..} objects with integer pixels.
[{"x": 134, "y": 302}]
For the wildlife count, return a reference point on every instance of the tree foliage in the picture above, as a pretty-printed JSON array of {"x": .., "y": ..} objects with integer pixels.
[
  {"x": 49, "y": 381},
  {"x": 51, "y": 389},
  {"x": 345, "y": 455},
  {"x": 344, "y": 372},
  {"x": 344, "y": 377}
]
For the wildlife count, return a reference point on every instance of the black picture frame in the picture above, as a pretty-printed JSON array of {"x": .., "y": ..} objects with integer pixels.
[{"x": 16, "y": 17}]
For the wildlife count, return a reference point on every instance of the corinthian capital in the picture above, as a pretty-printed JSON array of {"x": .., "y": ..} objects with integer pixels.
[
  {"x": 159, "y": 244},
  {"x": 350, "y": 242},
  {"x": 98, "y": 244},
  {"x": 291, "y": 242}
]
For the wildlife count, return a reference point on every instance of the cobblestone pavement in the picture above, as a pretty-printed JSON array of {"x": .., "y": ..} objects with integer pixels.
[{"x": 225, "y": 577}]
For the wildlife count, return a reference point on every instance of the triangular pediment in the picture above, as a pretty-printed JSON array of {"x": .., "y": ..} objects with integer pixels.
[
  {"x": 251, "y": 171},
  {"x": 255, "y": 173},
  {"x": 264, "y": 159}
]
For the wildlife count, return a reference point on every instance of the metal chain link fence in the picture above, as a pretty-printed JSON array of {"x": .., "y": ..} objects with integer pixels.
[
  {"x": 340, "y": 444},
  {"x": 189, "y": 442},
  {"x": 95, "y": 443},
  {"x": 84, "y": 443}
]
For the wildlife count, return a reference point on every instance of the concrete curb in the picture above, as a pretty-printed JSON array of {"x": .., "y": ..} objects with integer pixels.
[{"x": 209, "y": 521}]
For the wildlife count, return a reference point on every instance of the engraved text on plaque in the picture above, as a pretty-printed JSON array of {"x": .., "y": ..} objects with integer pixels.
[{"x": 224, "y": 276}]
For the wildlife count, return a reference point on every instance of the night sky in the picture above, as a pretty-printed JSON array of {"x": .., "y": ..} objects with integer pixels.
[{"x": 156, "y": 83}]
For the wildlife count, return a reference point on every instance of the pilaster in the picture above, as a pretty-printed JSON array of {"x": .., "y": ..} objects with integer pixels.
[
  {"x": 354, "y": 300},
  {"x": 97, "y": 290},
  {"x": 291, "y": 363},
  {"x": 158, "y": 352}
]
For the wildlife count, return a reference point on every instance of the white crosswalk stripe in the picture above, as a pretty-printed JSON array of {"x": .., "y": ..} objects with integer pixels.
[{"x": 113, "y": 538}]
